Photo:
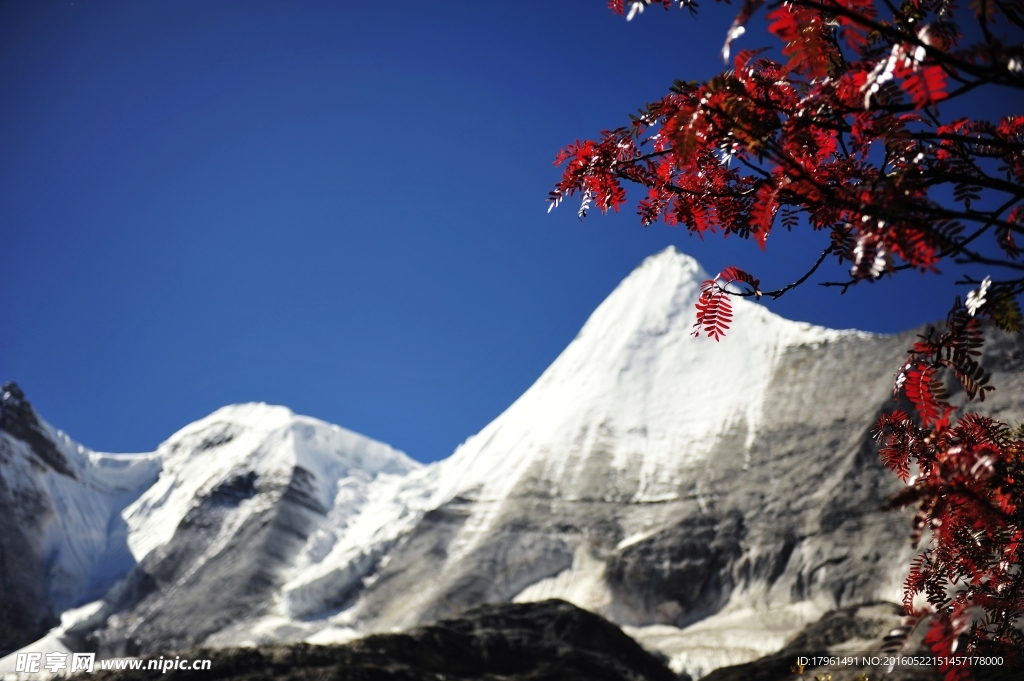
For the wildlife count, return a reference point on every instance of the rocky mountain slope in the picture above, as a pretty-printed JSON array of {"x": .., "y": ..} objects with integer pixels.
[
  {"x": 62, "y": 538},
  {"x": 711, "y": 498}
]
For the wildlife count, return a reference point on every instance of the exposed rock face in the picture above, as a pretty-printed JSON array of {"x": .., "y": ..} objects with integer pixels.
[
  {"x": 62, "y": 540},
  {"x": 25, "y": 613},
  {"x": 178, "y": 595},
  {"x": 19, "y": 421},
  {"x": 538, "y": 641}
]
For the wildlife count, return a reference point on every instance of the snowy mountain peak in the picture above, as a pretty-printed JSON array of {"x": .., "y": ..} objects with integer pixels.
[
  {"x": 244, "y": 450},
  {"x": 637, "y": 387},
  {"x": 664, "y": 286},
  {"x": 251, "y": 415}
]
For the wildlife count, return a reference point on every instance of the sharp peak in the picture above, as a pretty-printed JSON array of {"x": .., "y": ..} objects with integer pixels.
[
  {"x": 663, "y": 287},
  {"x": 661, "y": 273},
  {"x": 19, "y": 420},
  {"x": 667, "y": 252},
  {"x": 14, "y": 406},
  {"x": 671, "y": 257}
]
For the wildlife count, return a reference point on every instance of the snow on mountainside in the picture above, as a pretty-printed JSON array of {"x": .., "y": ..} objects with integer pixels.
[
  {"x": 711, "y": 498},
  {"x": 238, "y": 448},
  {"x": 633, "y": 375},
  {"x": 635, "y": 370},
  {"x": 679, "y": 486},
  {"x": 660, "y": 479},
  {"x": 246, "y": 496}
]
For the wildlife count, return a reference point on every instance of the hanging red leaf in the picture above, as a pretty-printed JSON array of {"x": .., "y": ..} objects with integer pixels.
[{"x": 714, "y": 312}]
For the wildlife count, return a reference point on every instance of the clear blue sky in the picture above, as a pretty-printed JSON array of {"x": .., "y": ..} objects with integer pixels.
[{"x": 335, "y": 206}]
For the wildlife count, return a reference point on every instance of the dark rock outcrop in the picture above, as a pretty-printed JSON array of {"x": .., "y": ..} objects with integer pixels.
[
  {"x": 19, "y": 420},
  {"x": 26, "y": 611},
  {"x": 548, "y": 641}
]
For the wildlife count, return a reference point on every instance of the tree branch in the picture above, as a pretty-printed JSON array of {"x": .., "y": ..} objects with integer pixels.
[{"x": 774, "y": 295}]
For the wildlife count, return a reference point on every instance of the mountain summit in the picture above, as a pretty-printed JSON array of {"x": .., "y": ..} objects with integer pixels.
[
  {"x": 637, "y": 393},
  {"x": 710, "y": 497}
]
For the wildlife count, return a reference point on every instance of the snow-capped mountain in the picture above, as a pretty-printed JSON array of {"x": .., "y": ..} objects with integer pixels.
[
  {"x": 679, "y": 486},
  {"x": 193, "y": 535},
  {"x": 712, "y": 498},
  {"x": 245, "y": 495}
]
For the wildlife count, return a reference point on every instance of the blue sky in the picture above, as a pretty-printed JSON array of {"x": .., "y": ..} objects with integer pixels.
[{"x": 335, "y": 206}]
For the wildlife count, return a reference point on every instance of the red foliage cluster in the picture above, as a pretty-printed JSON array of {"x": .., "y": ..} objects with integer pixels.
[
  {"x": 844, "y": 135},
  {"x": 969, "y": 494}
]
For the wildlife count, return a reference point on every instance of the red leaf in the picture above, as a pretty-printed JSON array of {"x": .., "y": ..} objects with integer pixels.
[
  {"x": 926, "y": 85},
  {"x": 731, "y": 274},
  {"x": 762, "y": 214},
  {"x": 920, "y": 389},
  {"x": 714, "y": 312},
  {"x": 809, "y": 50}
]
